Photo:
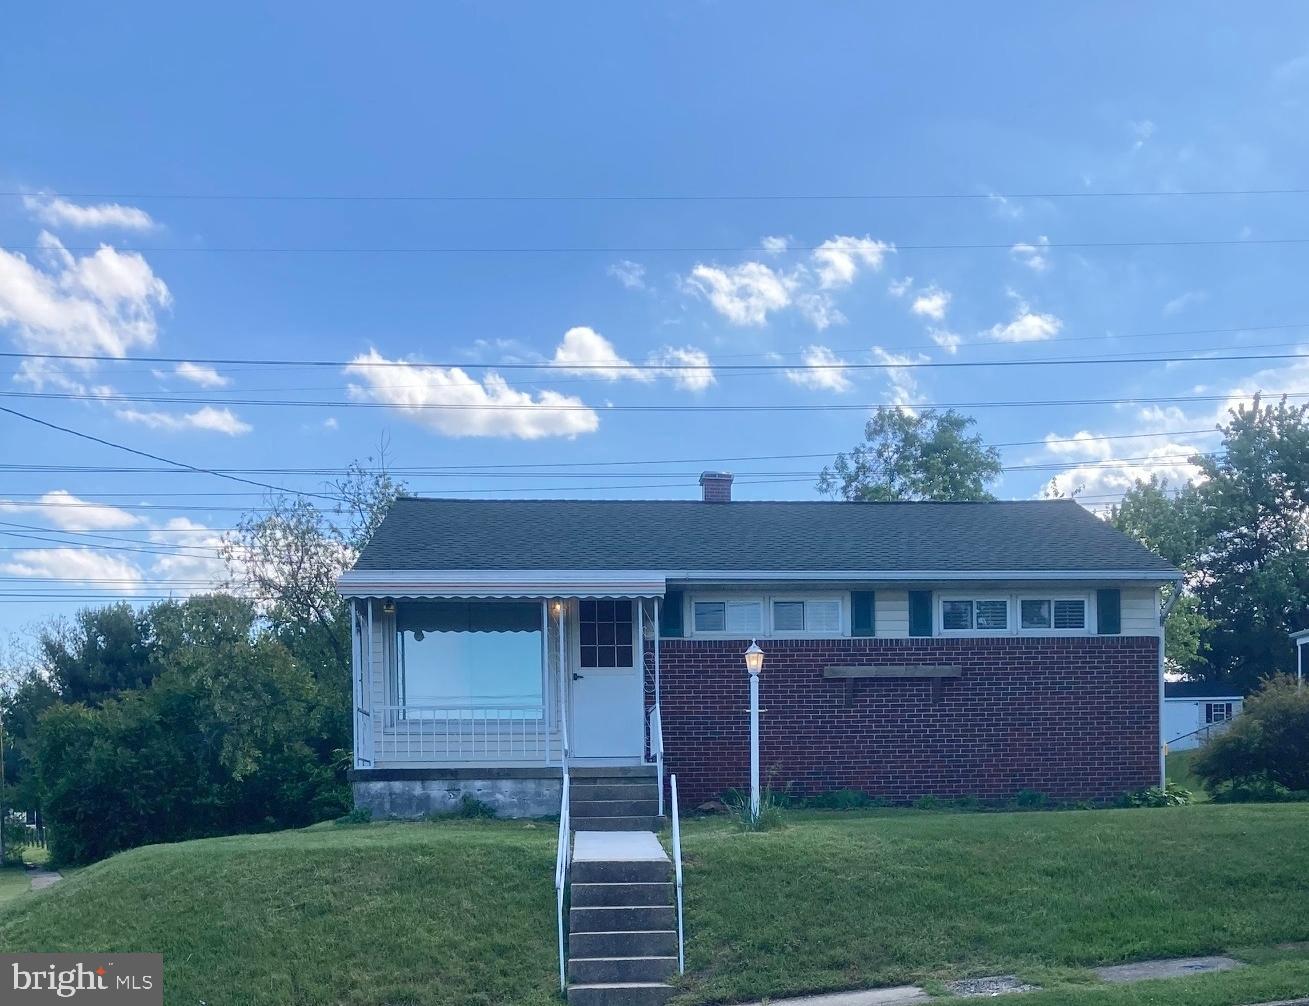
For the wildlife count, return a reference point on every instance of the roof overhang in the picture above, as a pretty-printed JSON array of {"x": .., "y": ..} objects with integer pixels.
[
  {"x": 501, "y": 583},
  {"x": 922, "y": 575}
]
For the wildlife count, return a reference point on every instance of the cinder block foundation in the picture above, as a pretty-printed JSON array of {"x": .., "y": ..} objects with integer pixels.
[{"x": 415, "y": 793}]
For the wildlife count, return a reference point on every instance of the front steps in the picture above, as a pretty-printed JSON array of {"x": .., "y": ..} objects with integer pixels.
[
  {"x": 615, "y": 798},
  {"x": 622, "y": 944}
]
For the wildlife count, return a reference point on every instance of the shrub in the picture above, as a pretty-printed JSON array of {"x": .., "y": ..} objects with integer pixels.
[
  {"x": 927, "y": 802},
  {"x": 1267, "y": 746},
  {"x": 473, "y": 808},
  {"x": 16, "y": 837},
  {"x": 1261, "y": 791},
  {"x": 1031, "y": 799},
  {"x": 360, "y": 815},
  {"x": 1171, "y": 795}
]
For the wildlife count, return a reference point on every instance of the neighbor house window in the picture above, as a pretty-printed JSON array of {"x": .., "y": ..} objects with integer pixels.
[
  {"x": 1052, "y": 613},
  {"x": 981, "y": 614},
  {"x": 468, "y": 654},
  {"x": 1217, "y": 712},
  {"x": 730, "y": 617},
  {"x": 819, "y": 616}
]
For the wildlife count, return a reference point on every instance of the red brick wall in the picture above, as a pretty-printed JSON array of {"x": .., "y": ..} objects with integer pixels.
[{"x": 1073, "y": 718}]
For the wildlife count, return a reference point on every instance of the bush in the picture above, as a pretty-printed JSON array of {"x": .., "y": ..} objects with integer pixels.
[
  {"x": 360, "y": 815},
  {"x": 1257, "y": 792},
  {"x": 16, "y": 838},
  {"x": 928, "y": 802},
  {"x": 1267, "y": 746},
  {"x": 1171, "y": 795},
  {"x": 473, "y": 808},
  {"x": 1031, "y": 799}
]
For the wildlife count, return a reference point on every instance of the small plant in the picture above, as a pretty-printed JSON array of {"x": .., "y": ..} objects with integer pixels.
[
  {"x": 1030, "y": 799},
  {"x": 1171, "y": 795},
  {"x": 474, "y": 809},
  {"x": 772, "y": 809},
  {"x": 927, "y": 802},
  {"x": 841, "y": 799},
  {"x": 360, "y": 815}
]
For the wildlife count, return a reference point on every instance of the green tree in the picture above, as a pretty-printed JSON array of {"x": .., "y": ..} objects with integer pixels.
[
  {"x": 99, "y": 654},
  {"x": 927, "y": 455}
]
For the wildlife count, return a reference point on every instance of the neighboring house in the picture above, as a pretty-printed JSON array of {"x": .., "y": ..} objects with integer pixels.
[
  {"x": 1194, "y": 711},
  {"x": 951, "y": 649}
]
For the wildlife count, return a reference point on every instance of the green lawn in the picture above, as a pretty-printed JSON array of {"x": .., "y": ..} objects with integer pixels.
[
  {"x": 1177, "y": 767},
  {"x": 13, "y": 882},
  {"x": 463, "y": 912}
]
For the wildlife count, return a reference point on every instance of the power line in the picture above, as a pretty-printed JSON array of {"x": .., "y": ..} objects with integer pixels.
[
  {"x": 660, "y": 249},
  {"x": 156, "y": 457},
  {"x": 655, "y": 197}
]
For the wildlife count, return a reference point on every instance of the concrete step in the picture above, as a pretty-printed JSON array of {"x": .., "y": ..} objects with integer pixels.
[
  {"x": 629, "y": 790},
  {"x": 609, "y": 895},
  {"x": 612, "y": 773},
  {"x": 647, "y": 807},
  {"x": 596, "y": 970},
  {"x": 627, "y": 822},
  {"x": 627, "y": 871},
  {"x": 633, "y": 943},
  {"x": 619, "y": 918},
  {"x": 620, "y": 994}
]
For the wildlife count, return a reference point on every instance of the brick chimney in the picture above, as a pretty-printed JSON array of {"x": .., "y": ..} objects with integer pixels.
[{"x": 716, "y": 487}]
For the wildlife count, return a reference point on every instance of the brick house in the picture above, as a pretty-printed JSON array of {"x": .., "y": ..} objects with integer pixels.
[{"x": 911, "y": 649}]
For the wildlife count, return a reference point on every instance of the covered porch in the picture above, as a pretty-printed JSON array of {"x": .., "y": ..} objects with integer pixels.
[{"x": 504, "y": 679}]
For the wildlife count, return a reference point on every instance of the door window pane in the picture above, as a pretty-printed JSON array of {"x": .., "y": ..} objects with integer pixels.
[{"x": 605, "y": 630}]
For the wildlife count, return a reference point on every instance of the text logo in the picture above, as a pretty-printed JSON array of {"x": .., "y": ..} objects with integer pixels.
[{"x": 88, "y": 979}]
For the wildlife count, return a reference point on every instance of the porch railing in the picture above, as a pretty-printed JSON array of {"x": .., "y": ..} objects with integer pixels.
[
  {"x": 657, "y": 750},
  {"x": 464, "y": 733},
  {"x": 677, "y": 874},
  {"x": 563, "y": 860}
]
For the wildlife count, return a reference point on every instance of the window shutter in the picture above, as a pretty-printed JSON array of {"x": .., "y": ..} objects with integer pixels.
[
  {"x": 863, "y": 613},
  {"x": 670, "y": 615},
  {"x": 920, "y": 612},
  {"x": 1109, "y": 612}
]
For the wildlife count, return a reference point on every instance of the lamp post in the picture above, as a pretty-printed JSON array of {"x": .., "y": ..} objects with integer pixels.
[{"x": 754, "y": 663}]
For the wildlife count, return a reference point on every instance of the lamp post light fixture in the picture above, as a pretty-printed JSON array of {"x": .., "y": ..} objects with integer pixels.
[{"x": 754, "y": 663}]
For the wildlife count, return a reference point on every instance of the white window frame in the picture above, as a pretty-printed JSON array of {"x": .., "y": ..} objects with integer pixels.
[
  {"x": 1014, "y": 600},
  {"x": 1085, "y": 630},
  {"x": 766, "y": 630}
]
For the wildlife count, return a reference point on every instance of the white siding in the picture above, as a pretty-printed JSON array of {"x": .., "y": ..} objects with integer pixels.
[
  {"x": 892, "y": 614},
  {"x": 1140, "y": 611}
]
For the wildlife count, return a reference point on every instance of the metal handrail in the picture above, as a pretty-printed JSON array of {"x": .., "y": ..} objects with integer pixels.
[
  {"x": 677, "y": 873},
  {"x": 657, "y": 749},
  {"x": 563, "y": 859}
]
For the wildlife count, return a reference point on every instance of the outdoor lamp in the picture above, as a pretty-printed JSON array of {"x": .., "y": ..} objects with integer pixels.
[{"x": 754, "y": 663}]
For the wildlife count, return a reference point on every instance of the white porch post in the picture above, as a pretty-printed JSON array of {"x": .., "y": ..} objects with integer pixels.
[
  {"x": 563, "y": 692},
  {"x": 357, "y": 682}
]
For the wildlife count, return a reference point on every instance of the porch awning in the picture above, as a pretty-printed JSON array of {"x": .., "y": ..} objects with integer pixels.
[{"x": 501, "y": 583}]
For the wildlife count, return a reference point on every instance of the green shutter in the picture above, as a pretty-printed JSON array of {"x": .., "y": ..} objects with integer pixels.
[
  {"x": 1109, "y": 612},
  {"x": 863, "y": 613},
  {"x": 920, "y": 612},
  {"x": 670, "y": 615}
]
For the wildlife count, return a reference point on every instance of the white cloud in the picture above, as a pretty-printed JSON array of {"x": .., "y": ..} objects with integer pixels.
[
  {"x": 1035, "y": 255},
  {"x": 823, "y": 370},
  {"x": 904, "y": 392},
  {"x": 75, "y": 565},
  {"x": 743, "y": 294},
  {"x": 1082, "y": 444},
  {"x": 1184, "y": 300},
  {"x": 486, "y": 408},
  {"x": 197, "y": 560},
  {"x": 58, "y": 212},
  {"x": 630, "y": 274},
  {"x": 900, "y": 287},
  {"x": 586, "y": 352},
  {"x": 775, "y": 244},
  {"x": 196, "y": 373},
  {"x": 205, "y": 418},
  {"x": 840, "y": 258},
  {"x": 1099, "y": 478},
  {"x": 1003, "y": 208},
  {"x": 947, "y": 340},
  {"x": 697, "y": 379},
  {"x": 64, "y": 510},
  {"x": 1141, "y": 130},
  {"x": 331, "y": 423},
  {"x": 1027, "y": 326},
  {"x": 103, "y": 303},
  {"x": 819, "y": 309},
  {"x": 931, "y": 303}
]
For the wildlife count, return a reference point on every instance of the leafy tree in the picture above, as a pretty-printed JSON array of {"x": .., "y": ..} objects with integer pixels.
[
  {"x": 101, "y": 653},
  {"x": 927, "y": 455},
  {"x": 1265, "y": 752}
]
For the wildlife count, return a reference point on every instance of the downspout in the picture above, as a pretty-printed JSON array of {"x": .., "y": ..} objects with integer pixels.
[
  {"x": 1163, "y": 619},
  {"x": 659, "y": 713}
]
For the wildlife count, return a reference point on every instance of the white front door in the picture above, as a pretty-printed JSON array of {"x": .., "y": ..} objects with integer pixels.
[{"x": 608, "y": 711}]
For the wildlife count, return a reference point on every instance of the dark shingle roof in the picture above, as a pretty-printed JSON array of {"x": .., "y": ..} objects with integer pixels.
[{"x": 673, "y": 535}]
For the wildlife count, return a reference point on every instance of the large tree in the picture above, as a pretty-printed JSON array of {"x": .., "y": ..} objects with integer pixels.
[{"x": 906, "y": 455}]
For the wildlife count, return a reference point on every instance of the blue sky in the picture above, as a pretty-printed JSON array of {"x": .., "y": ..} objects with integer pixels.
[{"x": 120, "y": 125}]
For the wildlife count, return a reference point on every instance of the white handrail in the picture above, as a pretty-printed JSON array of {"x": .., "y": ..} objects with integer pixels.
[
  {"x": 563, "y": 858},
  {"x": 677, "y": 873},
  {"x": 657, "y": 749}
]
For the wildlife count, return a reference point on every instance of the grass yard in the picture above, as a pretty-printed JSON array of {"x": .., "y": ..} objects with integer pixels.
[
  {"x": 13, "y": 882},
  {"x": 463, "y": 912}
]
